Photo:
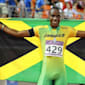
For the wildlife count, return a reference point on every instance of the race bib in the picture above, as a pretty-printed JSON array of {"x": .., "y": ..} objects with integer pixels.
[{"x": 54, "y": 48}]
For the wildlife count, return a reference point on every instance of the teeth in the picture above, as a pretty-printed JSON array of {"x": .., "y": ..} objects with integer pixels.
[{"x": 54, "y": 22}]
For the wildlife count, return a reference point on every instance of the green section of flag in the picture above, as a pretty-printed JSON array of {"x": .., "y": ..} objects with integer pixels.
[
  {"x": 31, "y": 74},
  {"x": 71, "y": 23},
  {"x": 35, "y": 22},
  {"x": 74, "y": 77}
]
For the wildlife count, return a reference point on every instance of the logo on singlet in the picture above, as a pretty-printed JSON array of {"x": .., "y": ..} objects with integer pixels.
[{"x": 57, "y": 35}]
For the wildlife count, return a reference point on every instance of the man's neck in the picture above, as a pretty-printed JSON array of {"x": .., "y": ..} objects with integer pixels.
[{"x": 56, "y": 28}]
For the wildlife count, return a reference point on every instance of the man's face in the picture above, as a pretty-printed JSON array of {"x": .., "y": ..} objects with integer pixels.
[{"x": 54, "y": 17}]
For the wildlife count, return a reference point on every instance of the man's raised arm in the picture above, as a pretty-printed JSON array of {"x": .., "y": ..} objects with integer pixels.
[
  {"x": 24, "y": 33},
  {"x": 81, "y": 34}
]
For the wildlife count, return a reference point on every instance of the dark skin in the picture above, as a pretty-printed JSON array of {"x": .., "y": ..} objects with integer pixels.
[{"x": 54, "y": 17}]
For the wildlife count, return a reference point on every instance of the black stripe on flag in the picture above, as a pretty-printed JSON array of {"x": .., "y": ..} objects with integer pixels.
[
  {"x": 78, "y": 48},
  {"x": 12, "y": 48}
]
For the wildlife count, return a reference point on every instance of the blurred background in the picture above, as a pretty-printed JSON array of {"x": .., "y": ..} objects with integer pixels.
[{"x": 70, "y": 9}]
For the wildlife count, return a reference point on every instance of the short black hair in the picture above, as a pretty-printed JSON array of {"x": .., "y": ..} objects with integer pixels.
[{"x": 56, "y": 8}]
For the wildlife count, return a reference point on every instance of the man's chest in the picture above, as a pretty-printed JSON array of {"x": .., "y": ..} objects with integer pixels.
[{"x": 53, "y": 43}]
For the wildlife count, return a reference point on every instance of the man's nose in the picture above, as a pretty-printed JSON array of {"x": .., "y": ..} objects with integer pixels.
[{"x": 55, "y": 17}]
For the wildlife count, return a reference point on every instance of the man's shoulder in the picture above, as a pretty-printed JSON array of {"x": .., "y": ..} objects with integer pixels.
[
  {"x": 65, "y": 27},
  {"x": 41, "y": 26}
]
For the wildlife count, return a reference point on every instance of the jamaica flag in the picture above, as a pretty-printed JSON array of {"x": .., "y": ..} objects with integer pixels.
[{"x": 21, "y": 58}]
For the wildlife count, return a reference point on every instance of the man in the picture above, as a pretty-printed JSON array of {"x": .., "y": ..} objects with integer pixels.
[
  {"x": 21, "y": 8},
  {"x": 53, "y": 42},
  {"x": 79, "y": 9},
  {"x": 12, "y": 4},
  {"x": 33, "y": 4},
  {"x": 39, "y": 8},
  {"x": 28, "y": 8}
]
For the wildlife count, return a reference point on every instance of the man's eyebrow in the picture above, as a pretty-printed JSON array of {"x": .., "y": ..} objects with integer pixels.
[
  {"x": 55, "y": 15},
  {"x": 58, "y": 14}
]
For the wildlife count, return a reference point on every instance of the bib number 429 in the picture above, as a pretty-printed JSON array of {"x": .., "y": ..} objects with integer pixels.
[{"x": 54, "y": 50}]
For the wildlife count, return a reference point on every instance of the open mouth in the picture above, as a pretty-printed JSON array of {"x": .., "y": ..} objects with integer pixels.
[{"x": 54, "y": 22}]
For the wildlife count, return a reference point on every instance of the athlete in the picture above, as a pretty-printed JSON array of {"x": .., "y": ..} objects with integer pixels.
[{"x": 53, "y": 42}]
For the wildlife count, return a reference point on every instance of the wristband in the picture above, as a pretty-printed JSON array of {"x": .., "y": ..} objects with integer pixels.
[
  {"x": 31, "y": 31},
  {"x": 2, "y": 28}
]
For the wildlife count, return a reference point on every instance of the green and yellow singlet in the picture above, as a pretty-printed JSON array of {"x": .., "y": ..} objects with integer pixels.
[{"x": 53, "y": 43}]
